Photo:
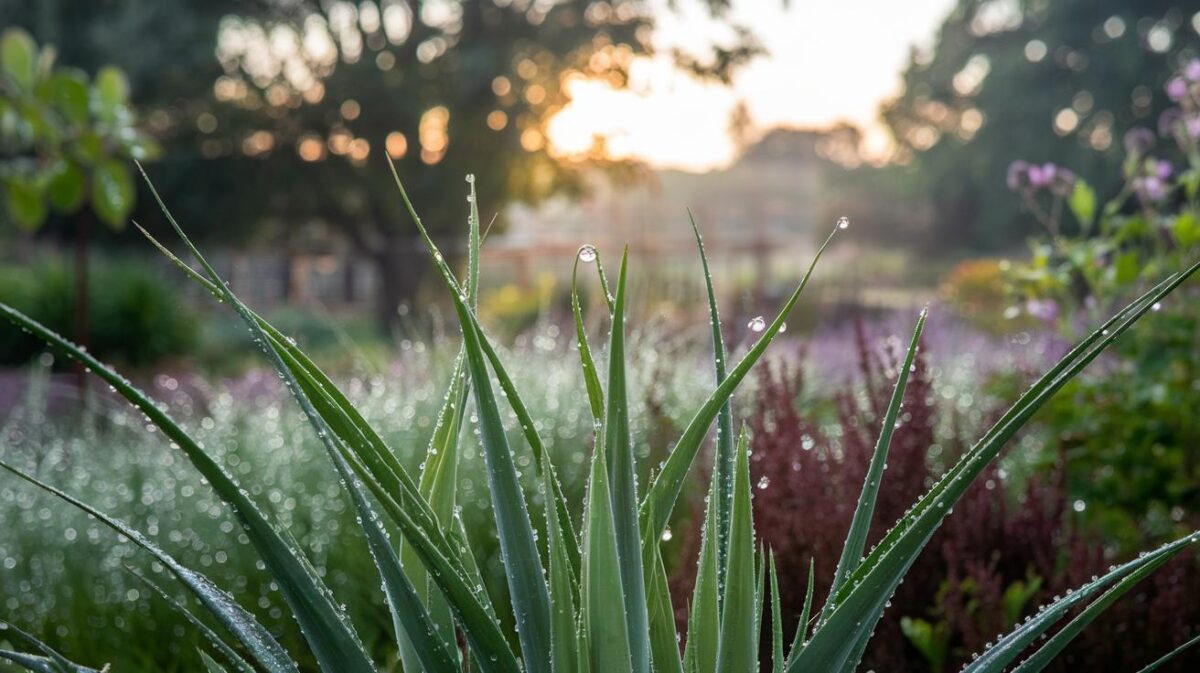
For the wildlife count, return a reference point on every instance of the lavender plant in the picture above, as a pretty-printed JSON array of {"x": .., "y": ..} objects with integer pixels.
[{"x": 596, "y": 601}]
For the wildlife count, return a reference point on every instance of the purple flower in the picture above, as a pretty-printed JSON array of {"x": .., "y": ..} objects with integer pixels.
[
  {"x": 1138, "y": 140},
  {"x": 1018, "y": 175},
  {"x": 1044, "y": 310},
  {"x": 1192, "y": 124},
  {"x": 1161, "y": 169},
  {"x": 1192, "y": 70},
  {"x": 1177, "y": 89},
  {"x": 1168, "y": 120},
  {"x": 1150, "y": 188}
]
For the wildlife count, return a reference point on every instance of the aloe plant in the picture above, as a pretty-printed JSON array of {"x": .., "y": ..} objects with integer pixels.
[{"x": 593, "y": 601}]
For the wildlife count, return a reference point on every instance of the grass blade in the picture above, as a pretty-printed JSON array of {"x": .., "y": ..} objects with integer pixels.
[
  {"x": 664, "y": 490},
  {"x": 704, "y": 619},
  {"x": 211, "y": 636},
  {"x": 403, "y": 599},
  {"x": 564, "y": 641},
  {"x": 856, "y": 538},
  {"x": 51, "y": 660},
  {"x": 664, "y": 639},
  {"x": 522, "y": 563},
  {"x": 737, "y": 647},
  {"x": 309, "y": 598},
  {"x": 243, "y": 625},
  {"x": 619, "y": 451},
  {"x": 723, "y": 447}
]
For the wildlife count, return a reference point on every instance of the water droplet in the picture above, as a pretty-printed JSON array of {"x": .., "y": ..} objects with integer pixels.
[
  {"x": 587, "y": 253},
  {"x": 471, "y": 178},
  {"x": 1157, "y": 306},
  {"x": 843, "y": 222},
  {"x": 757, "y": 324}
]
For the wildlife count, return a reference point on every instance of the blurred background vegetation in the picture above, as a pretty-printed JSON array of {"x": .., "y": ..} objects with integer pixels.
[{"x": 1026, "y": 165}]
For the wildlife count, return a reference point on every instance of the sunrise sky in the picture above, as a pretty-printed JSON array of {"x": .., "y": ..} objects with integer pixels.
[{"x": 827, "y": 61}]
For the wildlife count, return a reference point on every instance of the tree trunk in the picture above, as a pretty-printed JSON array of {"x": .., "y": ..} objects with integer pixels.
[
  {"x": 401, "y": 269},
  {"x": 83, "y": 230}
]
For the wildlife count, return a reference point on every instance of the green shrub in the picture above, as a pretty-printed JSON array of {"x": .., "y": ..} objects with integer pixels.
[
  {"x": 593, "y": 603},
  {"x": 134, "y": 317},
  {"x": 1130, "y": 434}
]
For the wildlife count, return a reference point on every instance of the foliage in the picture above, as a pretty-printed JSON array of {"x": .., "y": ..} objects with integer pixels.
[
  {"x": 1039, "y": 80},
  {"x": 135, "y": 318},
  {"x": 1138, "y": 424},
  {"x": 599, "y": 602},
  {"x": 65, "y": 140},
  {"x": 1008, "y": 548},
  {"x": 304, "y": 93},
  {"x": 976, "y": 290}
]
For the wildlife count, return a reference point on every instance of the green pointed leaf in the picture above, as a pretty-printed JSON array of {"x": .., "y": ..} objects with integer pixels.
[
  {"x": 737, "y": 647},
  {"x": 841, "y": 638},
  {"x": 802, "y": 626},
  {"x": 211, "y": 636},
  {"x": 564, "y": 641},
  {"x": 603, "y": 604},
  {"x": 403, "y": 600},
  {"x": 1121, "y": 579},
  {"x": 522, "y": 562},
  {"x": 704, "y": 619},
  {"x": 777, "y": 657},
  {"x": 723, "y": 456},
  {"x": 664, "y": 639},
  {"x": 664, "y": 490},
  {"x": 591, "y": 377},
  {"x": 210, "y": 664},
  {"x": 619, "y": 450},
  {"x": 396, "y": 492},
  {"x": 1157, "y": 663},
  {"x": 860, "y": 525},
  {"x": 310, "y": 600}
]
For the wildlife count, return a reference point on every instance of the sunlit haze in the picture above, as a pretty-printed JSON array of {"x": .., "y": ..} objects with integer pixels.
[{"x": 826, "y": 62}]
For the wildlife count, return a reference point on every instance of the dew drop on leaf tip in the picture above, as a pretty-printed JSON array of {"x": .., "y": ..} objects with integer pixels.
[
  {"x": 587, "y": 253},
  {"x": 843, "y": 222}
]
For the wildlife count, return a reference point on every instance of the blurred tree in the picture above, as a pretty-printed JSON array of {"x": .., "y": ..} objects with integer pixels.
[
  {"x": 1034, "y": 80},
  {"x": 66, "y": 143},
  {"x": 290, "y": 121}
]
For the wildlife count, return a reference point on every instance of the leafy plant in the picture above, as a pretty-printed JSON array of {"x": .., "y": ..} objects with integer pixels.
[
  {"x": 598, "y": 602},
  {"x": 1096, "y": 255},
  {"x": 135, "y": 320}
]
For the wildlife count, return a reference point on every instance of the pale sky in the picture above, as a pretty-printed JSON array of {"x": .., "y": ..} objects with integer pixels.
[{"x": 828, "y": 61}]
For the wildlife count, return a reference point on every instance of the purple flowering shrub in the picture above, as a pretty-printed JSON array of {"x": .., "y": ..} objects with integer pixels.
[
  {"x": 1003, "y": 551},
  {"x": 1131, "y": 474}
]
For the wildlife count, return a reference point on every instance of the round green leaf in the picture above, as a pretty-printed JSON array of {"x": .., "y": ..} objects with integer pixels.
[
  {"x": 65, "y": 186},
  {"x": 112, "y": 86},
  {"x": 25, "y": 204},
  {"x": 67, "y": 93},
  {"x": 112, "y": 193},
  {"x": 18, "y": 56}
]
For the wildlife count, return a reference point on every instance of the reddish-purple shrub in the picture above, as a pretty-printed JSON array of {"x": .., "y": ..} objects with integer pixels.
[{"x": 998, "y": 557}]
